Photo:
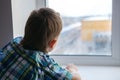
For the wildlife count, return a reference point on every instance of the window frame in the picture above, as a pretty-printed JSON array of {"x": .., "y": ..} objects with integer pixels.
[
  {"x": 95, "y": 60},
  {"x": 113, "y": 60}
]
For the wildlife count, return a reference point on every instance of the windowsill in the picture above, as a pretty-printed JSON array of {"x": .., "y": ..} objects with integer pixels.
[{"x": 99, "y": 73}]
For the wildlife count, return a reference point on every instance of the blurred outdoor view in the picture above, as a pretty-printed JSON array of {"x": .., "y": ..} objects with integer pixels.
[{"x": 86, "y": 27}]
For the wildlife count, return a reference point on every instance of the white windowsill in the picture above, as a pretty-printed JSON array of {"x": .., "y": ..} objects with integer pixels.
[{"x": 99, "y": 73}]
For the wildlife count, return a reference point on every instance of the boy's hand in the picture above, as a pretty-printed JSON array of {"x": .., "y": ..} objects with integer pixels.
[
  {"x": 72, "y": 68},
  {"x": 74, "y": 71}
]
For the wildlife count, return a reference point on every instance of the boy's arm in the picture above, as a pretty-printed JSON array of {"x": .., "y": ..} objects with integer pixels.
[
  {"x": 56, "y": 72},
  {"x": 53, "y": 70}
]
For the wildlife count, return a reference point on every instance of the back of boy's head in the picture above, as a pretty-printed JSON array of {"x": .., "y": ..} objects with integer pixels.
[{"x": 42, "y": 26}]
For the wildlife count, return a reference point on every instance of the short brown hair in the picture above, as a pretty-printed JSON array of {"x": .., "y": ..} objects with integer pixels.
[{"x": 42, "y": 26}]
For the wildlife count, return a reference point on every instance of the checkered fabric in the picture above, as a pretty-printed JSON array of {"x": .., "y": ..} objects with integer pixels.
[{"x": 18, "y": 63}]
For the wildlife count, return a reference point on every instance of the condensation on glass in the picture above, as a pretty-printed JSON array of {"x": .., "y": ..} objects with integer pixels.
[{"x": 86, "y": 27}]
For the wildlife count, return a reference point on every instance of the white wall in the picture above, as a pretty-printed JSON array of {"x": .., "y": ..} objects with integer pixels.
[{"x": 20, "y": 12}]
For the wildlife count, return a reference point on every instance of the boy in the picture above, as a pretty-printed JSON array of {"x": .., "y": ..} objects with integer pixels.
[{"x": 27, "y": 58}]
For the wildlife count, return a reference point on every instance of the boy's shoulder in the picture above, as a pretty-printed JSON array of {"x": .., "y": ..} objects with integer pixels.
[
  {"x": 15, "y": 40},
  {"x": 45, "y": 59}
]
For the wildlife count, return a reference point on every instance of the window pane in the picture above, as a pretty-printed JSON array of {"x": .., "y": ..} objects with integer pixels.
[{"x": 86, "y": 27}]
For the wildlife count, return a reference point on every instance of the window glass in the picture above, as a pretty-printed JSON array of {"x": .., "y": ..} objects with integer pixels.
[{"x": 86, "y": 27}]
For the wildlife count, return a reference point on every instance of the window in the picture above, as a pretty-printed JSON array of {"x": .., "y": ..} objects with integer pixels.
[
  {"x": 90, "y": 36},
  {"x": 86, "y": 27}
]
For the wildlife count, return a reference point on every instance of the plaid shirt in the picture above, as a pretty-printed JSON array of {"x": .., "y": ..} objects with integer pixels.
[{"x": 21, "y": 64}]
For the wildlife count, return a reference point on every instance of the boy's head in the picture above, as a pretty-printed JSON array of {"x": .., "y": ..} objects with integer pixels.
[{"x": 42, "y": 30}]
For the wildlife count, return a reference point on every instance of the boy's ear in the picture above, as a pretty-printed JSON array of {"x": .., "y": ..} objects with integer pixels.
[{"x": 52, "y": 43}]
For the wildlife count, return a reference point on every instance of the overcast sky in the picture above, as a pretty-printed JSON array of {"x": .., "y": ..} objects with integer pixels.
[{"x": 81, "y": 7}]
